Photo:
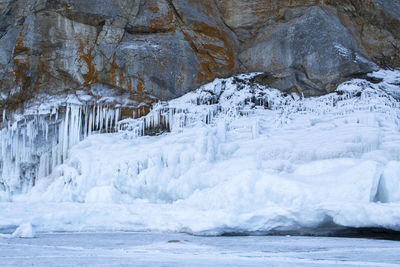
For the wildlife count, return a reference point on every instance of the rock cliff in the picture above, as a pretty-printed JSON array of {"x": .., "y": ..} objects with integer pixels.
[{"x": 147, "y": 50}]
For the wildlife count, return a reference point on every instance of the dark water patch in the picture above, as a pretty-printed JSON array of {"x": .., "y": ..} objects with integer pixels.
[
  {"x": 369, "y": 232},
  {"x": 337, "y": 231},
  {"x": 8, "y": 229}
]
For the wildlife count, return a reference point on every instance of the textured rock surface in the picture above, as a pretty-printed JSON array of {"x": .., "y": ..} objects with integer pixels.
[
  {"x": 310, "y": 54},
  {"x": 160, "y": 49},
  {"x": 376, "y": 26},
  {"x": 138, "y": 48}
]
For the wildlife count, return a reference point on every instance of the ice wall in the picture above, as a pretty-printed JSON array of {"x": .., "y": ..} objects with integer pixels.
[
  {"x": 238, "y": 157},
  {"x": 34, "y": 143}
]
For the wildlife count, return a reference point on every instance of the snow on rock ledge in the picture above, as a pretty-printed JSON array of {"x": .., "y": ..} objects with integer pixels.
[{"x": 233, "y": 156}]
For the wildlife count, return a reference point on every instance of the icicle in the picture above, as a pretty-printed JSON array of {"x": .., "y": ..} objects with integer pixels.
[
  {"x": 101, "y": 117},
  {"x": 117, "y": 119},
  {"x": 85, "y": 128},
  {"x": 65, "y": 134},
  {"x": 60, "y": 142},
  {"x": 90, "y": 123},
  {"x": 98, "y": 117},
  {"x": 79, "y": 133},
  {"x": 93, "y": 118},
  {"x": 47, "y": 131},
  {"x": 106, "y": 111},
  {"x": 111, "y": 120}
]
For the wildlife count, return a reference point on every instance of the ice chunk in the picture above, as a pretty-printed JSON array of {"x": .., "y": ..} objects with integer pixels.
[
  {"x": 389, "y": 185},
  {"x": 24, "y": 231}
]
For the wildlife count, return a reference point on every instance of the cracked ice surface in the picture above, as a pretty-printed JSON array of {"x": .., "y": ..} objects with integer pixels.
[{"x": 238, "y": 157}]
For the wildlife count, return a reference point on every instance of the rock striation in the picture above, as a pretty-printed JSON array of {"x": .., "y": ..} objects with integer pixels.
[{"x": 150, "y": 50}]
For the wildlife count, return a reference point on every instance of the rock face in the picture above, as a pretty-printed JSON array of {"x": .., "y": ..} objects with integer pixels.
[
  {"x": 309, "y": 54},
  {"x": 146, "y": 50}
]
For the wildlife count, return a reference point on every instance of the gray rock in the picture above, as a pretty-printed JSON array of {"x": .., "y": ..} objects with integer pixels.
[
  {"x": 392, "y": 7},
  {"x": 310, "y": 54},
  {"x": 375, "y": 24}
]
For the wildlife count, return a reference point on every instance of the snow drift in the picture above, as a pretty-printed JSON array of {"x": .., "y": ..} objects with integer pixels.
[{"x": 233, "y": 156}]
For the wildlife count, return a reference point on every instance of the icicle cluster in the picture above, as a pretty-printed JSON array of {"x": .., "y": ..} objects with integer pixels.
[{"x": 33, "y": 146}]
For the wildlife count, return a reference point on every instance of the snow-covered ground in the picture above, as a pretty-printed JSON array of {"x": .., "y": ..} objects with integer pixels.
[
  {"x": 155, "y": 249},
  {"x": 239, "y": 157}
]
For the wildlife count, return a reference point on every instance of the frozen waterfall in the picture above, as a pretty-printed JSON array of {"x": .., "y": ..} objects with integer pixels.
[{"x": 34, "y": 144}]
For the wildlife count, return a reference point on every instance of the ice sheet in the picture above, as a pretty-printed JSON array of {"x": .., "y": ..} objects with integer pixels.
[{"x": 158, "y": 249}]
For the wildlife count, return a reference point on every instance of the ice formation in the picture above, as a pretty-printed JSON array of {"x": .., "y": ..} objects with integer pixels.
[
  {"x": 24, "y": 231},
  {"x": 233, "y": 156},
  {"x": 34, "y": 144}
]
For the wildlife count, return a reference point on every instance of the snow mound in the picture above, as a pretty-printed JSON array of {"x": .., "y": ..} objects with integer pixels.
[{"x": 233, "y": 156}]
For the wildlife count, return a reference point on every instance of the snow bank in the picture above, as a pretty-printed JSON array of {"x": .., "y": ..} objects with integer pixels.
[{"x": 233, "y": 156}]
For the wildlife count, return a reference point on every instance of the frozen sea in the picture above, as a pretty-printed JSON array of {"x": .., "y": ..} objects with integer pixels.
[{"x": 164, "y": 249}]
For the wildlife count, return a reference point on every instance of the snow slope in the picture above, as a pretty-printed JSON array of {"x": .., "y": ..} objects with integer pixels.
[{"x": 237, "y": 157}]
